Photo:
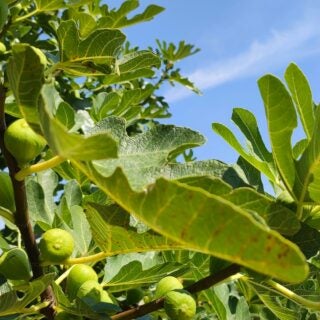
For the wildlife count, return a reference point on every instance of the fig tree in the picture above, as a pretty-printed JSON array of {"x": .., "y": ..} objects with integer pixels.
[
  {"x": 167, "y": 284},
  {"x": 179, "y": 305},
  {"x": 79, "y": 274},
  {"x": 56, "y": 245},
  {"x": 14, "y": 265},
  {"x": 22, "y": 142}
]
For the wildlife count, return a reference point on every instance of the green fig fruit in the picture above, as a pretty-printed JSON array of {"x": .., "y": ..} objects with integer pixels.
[
  {"x": 14, "y": 265},
  {"x": 179, "y": 305},
  {"x": 6, "y": 192},
  {"x": 134, "y": 296},
  {"x": 22, "y": 142},
  {"x": 79, "y": 274},
  {"x": 56, "y": 245},
  {"x": 167, "y": 284}
]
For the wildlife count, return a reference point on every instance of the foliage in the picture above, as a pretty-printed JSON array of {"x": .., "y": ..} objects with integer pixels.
[{"x": 110, "y": 176}]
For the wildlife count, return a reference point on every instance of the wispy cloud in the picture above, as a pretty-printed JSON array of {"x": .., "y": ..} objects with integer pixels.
[{"x": 300, "y": 40}]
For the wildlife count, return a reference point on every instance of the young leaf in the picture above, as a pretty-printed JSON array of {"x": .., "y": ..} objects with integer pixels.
[
  {"x": 302, "y": 96},
  {"x": 262, "y": 166},
  {"x": 247, "y": 123},
  {"x": 282, "y": 120}
]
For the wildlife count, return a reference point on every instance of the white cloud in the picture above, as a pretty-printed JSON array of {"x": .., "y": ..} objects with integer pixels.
[{"x": 281, "y": 47}]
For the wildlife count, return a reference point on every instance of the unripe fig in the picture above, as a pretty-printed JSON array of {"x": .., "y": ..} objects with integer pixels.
[
  {"x": 22, "y": 142},
  {"x": 134, "y": 296},
  {"x": 179, "y": 305},
  {"x": 14, "y": 265},
  {"x": 56, "y": 245},
  {"x": 167, "y": 284},
  {"x": 6, "y": 192},
  {"x": 79, "y": 274}
]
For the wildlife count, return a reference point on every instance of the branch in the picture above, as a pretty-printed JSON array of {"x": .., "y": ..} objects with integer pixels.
[
  {"x": 21, "y": 215},
  {"x": 200, "y": 285}
]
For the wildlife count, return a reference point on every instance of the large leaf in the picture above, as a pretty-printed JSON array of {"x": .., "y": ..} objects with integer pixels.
[
  {"x": 118, "y": 18},
  {"x": 282, "y": 120},
  {"x": 144, "y": 156},
  {"x": 302, "y": 96},
  {"x": 211, "y": 225},
  {"x": 25, "y": 74}
]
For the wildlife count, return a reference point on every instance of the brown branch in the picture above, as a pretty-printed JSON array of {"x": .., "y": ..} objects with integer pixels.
[
  {"x": 21, "y": 215},
  {"x": 200, "y": 285}
]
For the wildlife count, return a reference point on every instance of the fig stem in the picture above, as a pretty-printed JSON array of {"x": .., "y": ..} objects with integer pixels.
[
  {"x": 51, "y": 163},
  {"x": 292, "y": 296},
  {"x": 71, "y": 261}
]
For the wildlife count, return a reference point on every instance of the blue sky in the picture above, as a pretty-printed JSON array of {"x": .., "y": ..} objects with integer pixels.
[{"x": 240, "y": 41}]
